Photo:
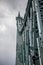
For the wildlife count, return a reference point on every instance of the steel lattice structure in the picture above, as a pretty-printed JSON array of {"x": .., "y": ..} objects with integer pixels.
[{"x": 29, "y": 47}]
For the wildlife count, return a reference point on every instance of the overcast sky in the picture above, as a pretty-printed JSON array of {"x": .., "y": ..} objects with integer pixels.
[{"x": 8, "y": 12}]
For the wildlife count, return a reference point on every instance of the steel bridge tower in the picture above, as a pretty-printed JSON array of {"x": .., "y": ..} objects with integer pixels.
[{"x": 29, "y": 47}]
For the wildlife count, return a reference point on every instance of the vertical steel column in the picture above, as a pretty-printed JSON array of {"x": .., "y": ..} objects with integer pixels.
[
  {"x": 40, "y": 27},
  {"x": 38, "y": 45},
  {"x": 38, "y": 17},
  {"x": 33, "y": 24},
  {"x": 34, "y": 31},
  {"x": 31, "y": 36}
]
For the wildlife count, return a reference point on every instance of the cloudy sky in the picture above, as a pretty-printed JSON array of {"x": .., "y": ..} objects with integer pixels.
[{"x": 8, "y": 12}]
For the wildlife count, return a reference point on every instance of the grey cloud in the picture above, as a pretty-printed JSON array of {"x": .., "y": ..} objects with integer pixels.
[
  {"x": 15, "y": 3},
  {"x": 1, "y": 15},
  {"x": 8, "y": 42},
  {"x": 7, "y": 47},
  {"x": 18, "y": 5}
]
